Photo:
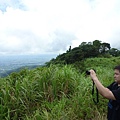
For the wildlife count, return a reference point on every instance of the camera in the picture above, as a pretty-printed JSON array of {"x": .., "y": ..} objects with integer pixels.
[{"x": 87, "y": 72}]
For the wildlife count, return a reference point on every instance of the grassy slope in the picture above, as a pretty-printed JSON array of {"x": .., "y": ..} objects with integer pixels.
[{"x": 55, "y": 93}]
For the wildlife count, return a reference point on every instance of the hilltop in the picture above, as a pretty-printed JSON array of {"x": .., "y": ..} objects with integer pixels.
[{"x": 86, "y": 50}]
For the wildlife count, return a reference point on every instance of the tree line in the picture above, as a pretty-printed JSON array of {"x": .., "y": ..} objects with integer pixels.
[{"x": 86, "y": 50}]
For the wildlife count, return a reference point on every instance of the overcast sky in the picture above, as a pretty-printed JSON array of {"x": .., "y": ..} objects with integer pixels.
[{"x": 51, "y": 26}]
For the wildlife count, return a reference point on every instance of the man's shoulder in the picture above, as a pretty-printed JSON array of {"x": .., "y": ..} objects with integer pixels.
[{"x": 112, "y": 85}]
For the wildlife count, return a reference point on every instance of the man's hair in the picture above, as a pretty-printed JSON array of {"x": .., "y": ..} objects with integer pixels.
[{"x": 117, "y": 67}]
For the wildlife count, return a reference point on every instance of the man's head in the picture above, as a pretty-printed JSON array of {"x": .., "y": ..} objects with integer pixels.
[{"x": 117, "y": 74}]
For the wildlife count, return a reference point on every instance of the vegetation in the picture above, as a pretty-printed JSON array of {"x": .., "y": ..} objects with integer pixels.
[
  {"x": 86, "y": 50},
  {"x": 60, "y": 90},
  {"x": 57, "y": 92}
]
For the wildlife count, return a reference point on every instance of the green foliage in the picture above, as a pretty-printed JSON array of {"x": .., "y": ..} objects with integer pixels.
[
  {"x": 24, "y": 92},
  {"x": 57, "y": 92},
  {"x": 85, "y": 50}
]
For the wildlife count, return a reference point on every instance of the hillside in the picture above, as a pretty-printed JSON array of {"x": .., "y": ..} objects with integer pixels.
[{"x": 55, "y": 92}]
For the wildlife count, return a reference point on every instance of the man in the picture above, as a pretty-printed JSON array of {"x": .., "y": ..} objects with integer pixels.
[{"x": 112, "y": 92}]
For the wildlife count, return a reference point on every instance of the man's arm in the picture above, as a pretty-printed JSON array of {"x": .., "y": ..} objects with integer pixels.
[{"x": 105, "y": 92}]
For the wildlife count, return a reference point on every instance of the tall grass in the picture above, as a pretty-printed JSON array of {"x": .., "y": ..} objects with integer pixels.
[{"x": 54, "y": 93}]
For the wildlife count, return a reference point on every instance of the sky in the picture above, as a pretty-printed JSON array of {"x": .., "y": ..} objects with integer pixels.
[{"x": 51, "y": 26}]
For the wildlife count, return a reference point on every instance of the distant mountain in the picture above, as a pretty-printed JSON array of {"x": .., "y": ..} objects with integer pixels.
[
  {"x": 4, "y": 74},
  {"x": 12, "y": 63}
]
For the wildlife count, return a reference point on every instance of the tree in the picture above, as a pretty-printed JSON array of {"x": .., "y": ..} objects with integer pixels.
[
  {"x": 104, "y": 47},
  {"x": 97, "y": 44},
  {"x": 114, "y": 52}
]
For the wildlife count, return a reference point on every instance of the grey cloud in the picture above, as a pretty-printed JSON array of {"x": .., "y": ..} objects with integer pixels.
[
  {"x": 28, "y": 42},
  {"x": 31, "y": 42},
  {"x": 62, "y": 39}
]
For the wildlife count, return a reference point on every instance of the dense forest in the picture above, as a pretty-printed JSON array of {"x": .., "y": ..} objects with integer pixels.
[{"x": 86, "y": 50}]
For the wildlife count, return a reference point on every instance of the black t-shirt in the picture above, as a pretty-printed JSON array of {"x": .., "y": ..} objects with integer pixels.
[{"x": 114, "y": 105}]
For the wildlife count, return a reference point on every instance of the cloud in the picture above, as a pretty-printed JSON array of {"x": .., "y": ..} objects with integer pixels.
[
  {"x": 51, "y": 26},
  {"x": 61, "y": 40}
]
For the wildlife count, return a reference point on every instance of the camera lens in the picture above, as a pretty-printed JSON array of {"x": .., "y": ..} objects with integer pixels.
[{"x": 87, "y": 72}]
